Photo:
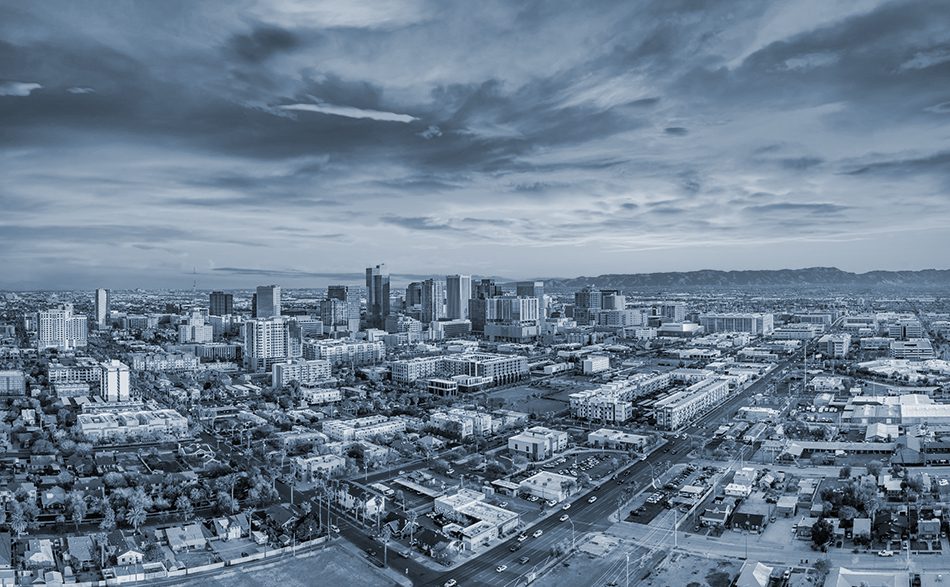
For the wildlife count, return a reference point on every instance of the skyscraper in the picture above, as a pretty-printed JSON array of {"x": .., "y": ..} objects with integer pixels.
[
  {"x": 102, "y": 309},
  {"x": 351, "y": 297},
  {"x": 414, "y": 294},
  {"x": 483, "y": 291},
  {"x": 433, "y": 300},
  {"x": 220, "y": 303},
  {"x": 458, "y": 291},
  {"x": 59, "y": 328},
  {"x": 268, "y": 301},
  {"x": 114, "y": 383},
  {"x": 377, "y": 295},
  {"x": 587, "y": 302}
]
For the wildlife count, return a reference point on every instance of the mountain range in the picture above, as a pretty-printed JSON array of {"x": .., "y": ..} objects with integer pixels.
[{"x": 811, "y": 276}]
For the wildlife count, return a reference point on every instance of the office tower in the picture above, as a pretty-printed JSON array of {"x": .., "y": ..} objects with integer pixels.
[
  {"x": 268, "y": 301},
  {"x": 433, "y": 300},
  {"x": 672, "y": 311},
  {"x": 333, "y": 313},
  {"x": 587, "y": 302},
  {"x": 533, "y": 289},
  {"x": 253, "y": 305},
  {"x": 220, "y": 303},
  {"x": 414, "y": 294},
  {"x": 270, "y": 340},
  {"x": 478, "y": 306},
  {"x": 351, "y": 297},
  {"x": 194, "y": 328},
  {"x": 114, "y": 383},
  {"x": 458, "y": 291},
  {"x": 102, "y": 309},
  {"x": 613, "y": 300},
  {"x": 59, "y": 328},
  {"x": 486, "y": 288},
  {"x": 377, "y": 295}
]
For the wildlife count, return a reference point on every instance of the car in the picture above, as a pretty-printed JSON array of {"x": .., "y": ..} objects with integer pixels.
[
  {"x": 552, "y": 503},
  {"x": 401, "y": 472},
  {"x": 522, "y": 538},
  {"x": 886, "y": 553},
  {"x": 524, "y": 560},
  {"x": 449, "y": 471},
  {"x": 501, "y": 568},
  {"x": 515, "y": 547},
  {"x": 592, "y": 499},
  {"x": 564, "y": 518},
  {"x": 538, "y": 533},
  {"x": 503, "y": 504},
  {"x": 451, "y": 583},
  {"x": 566, "y": 506},
  {"x": 334, "y": 528}
]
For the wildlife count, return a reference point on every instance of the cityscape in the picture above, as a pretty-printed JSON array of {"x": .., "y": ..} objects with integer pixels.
[{"x": 443, "y": 294}]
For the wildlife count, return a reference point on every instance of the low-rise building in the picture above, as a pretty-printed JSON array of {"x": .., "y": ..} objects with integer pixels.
[
  {"x": 313, "y": 467},
  {"x": 548, "y": 486},
  {"x": 304, "y": 371},
  {"x": 538, "y": 443},
  {"x": 617, "y": 439},
  {"x": 681, "y": 408},
  {"x": 363, "y": 428},
  {"x": 122, "y": 424}
]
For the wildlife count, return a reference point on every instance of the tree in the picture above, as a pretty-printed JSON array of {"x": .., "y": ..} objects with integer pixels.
[
  {"x": 18, "y": 521},
  {"x": 76, "y": 502},
  {"x": 821, "y": 532},
  {"x": 108, "y": 518},
  {"x": 184, "y": 506},
  {"x": 844, "y": 472},
  {"x": 874, "y": 467}
]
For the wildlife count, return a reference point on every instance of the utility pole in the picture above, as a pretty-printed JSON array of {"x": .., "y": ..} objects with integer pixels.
[{"x": 628, "y": 569}]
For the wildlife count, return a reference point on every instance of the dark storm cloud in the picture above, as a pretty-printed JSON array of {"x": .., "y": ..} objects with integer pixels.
[
  {"x": 677, "y": 131},
  {"x": 263, "y": 42}
]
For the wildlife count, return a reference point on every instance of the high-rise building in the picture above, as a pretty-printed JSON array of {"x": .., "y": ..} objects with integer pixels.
[
  {"x": 220, "y": 303},
  {"x": 612, "y": 300},
  {"x": 268, "y": 301},
  {"x": 512, "y": 318},
  {"x": 270, "y": 340},
  {"x": 414, "y": 294},
  {"x": 102, "y": 309},
  {"x": 377, "y": 295},
  {"x": 114, "y": 384},
  {"x": 482, "y": 290},
  {"x": 533, "y": 289},
  {"x": 433, "y": 300},
  {"x": 333, "y": 313},
  {"x": 486, "y": 288},
  {"x": 587, "y": 302},
  {"x": 351, "y": 298},
  {"x": 673, "y": 311},
  {"x": 59, "y": 328},
  {"x": 458, "y": 291}
]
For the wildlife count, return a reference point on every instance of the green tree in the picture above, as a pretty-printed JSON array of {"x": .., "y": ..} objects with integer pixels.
[
  {"x": 821, "y": 532},
  {"x": 76, "y": 503}
]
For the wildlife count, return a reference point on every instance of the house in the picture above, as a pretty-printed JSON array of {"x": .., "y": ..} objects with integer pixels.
[
  {"x": 548, "y": 486},
  {"x": 928, "y": 529},
  {"x": 718, "y": 513},
  {"x": 749, "y": 519},
  {"x": 861, "y": 529},
  {"x": 842, "y": 577},
  {"x": 225, "y": 530},
  {"x": 787, "y": 505},
  {"x": 123, "y": 550},
  {"x": 81, "y": 550},
  {"x": 6, "y": 551},
  {"x": 280, "y": 515},
  {"x": 39, "y": 554},
  {"x": 53, "y": 497},
  {"x": 360, "y": 502},
  {"x": 187, "y": 537}
]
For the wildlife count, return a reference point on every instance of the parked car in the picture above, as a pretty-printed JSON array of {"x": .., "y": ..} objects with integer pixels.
[
  {"x": 886, "y": 553},
  {"x": 566, "y": 506}
]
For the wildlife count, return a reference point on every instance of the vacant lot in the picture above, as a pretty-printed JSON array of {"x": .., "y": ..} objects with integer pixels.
[{"x": 334, "y": 566}]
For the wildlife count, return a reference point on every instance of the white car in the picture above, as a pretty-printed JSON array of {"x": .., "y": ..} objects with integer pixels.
[
  {"x": 886, "y": 553},
  {"x": 551, "y": 503},
  {"x": 451, "y": 583},
  {"x": 592, "y": 499},
  {"x": 501, "y": 568},
  {"x": 538, "y": 533},
  {"x": 522, "y": 538},
  {"x": 566, "y": 506},
  {"x": 564, "y": 517}
]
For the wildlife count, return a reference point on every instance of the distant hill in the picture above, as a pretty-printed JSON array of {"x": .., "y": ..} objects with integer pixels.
[{"x": 812, "y": 276}]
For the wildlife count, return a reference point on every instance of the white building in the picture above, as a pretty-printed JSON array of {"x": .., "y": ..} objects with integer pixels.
[
  {"x": 463, "y": 422},
  {"x": 320, "y": 395},
  {"x": 595, "y": 364},
  {"x": 835, "y": 345},
  {"x": 102, "y": 309},
  {"x": 120, "y": 425},
  {"x": 681, "y": 408},
  {"x": 753, "y": 323},
  {"x": 915, "y": 349},
  {"x": 12, "y": 382},
  {"x": 165, "y": 361},
  {"x": 409, "y": 370},
  {"x": 59, "y": 328},
  {"x": 345, "y": 351},
  {"x": 500, "y": 368},
  {"x": 314, "y": 467},
  {"x": 548, "y": 486},
  {"x": 362, "y": 428},
  {"x": 607, "y": 438},
  {"x": 538, "y": 443},
  {"x": 114, "y": 383},
  {"x": 270, "y": 340},
  {"x": 306, "y": 372}
]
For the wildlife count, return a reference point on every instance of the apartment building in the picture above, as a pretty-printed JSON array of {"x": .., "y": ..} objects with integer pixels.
[
  {"x": 363, "y": 428},
  {"x": 344, "y": 351},
  {"x": 538, "y": 443},
  {"x": 500, "y": 368},
  {"x": 304, "y": 371},
  {"x": 753, "y": 323},
  {"x": 681, "y": 408}
]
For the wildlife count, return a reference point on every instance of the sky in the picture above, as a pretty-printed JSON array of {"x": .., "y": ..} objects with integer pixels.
[{"x": 157, "y": 144}]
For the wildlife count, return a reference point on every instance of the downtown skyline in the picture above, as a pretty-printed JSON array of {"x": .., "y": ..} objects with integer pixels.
[{"x": 296, "y": 143}]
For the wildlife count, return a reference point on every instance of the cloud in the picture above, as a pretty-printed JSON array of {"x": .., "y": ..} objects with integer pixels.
[
  {"x": 11, "y": 88},
  {"x": 925, "y": 59},
  {"x": 80, "y": 90},
  {"x": 431, "y": 132},
  {"x": 263, "y": 42},
  {"x": 794, "y": 207},
  {"x": 350, "y": 112},
  {"x": 677, "y": 131}
]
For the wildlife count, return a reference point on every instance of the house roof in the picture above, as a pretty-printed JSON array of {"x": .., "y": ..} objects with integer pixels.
[{"x": 754, "y": 574}]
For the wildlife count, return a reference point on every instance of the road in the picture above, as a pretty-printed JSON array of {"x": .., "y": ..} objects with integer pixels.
[{"x": 592, "y": 516}]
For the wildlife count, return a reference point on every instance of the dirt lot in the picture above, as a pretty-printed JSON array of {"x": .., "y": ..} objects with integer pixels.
[
  {"x": 693, "y": 571},
  {"x": 334, "y": 566}
]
